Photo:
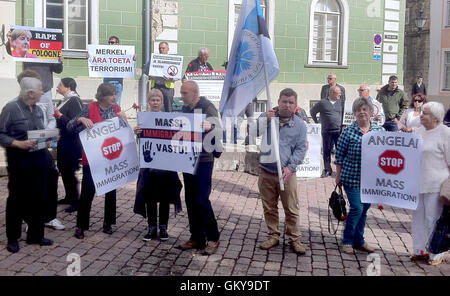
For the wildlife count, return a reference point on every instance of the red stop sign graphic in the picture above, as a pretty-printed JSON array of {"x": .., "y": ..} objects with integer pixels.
[
  {"x": 112, "y": 148},
  {"x": 391, "y": 162}
]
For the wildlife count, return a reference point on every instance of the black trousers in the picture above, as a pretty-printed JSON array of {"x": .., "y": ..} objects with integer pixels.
[
  {"x": 152, "y": 214},
  {"x": 202, "y": 221},
  {"x": 86, "y": 198},
  {"x": 27, "y": 172},
  {"x": 67, "y": 168},
  {"x": 329, "y": 139},
  {"x": 168, "y": 97}
]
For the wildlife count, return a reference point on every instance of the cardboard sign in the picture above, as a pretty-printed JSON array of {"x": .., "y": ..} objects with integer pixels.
[
  {"x": 36, "y": 45},
  {"x": 348, "y": 117},
  {"x": 310, "y": 168},
  {"x": 390, "y": 169},
  {"x": 112, "y": 155},
  {"x": 111, "y": 61},
  {"x": 210, "y": 83},
  {"x": 170, "y": 141},
  {"x": 164, "y": 65}
]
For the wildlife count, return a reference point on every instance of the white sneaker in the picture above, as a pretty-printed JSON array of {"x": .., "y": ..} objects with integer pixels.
[{"x": 55, "y": 224}]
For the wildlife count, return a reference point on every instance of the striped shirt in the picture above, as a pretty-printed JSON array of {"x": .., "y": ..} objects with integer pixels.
[{"x": 348, "y": 154}]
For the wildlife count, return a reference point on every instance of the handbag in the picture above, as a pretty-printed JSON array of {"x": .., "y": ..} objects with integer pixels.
[
  {"x": 338, "y": 206},
  {"x": 440, "y": 238}
]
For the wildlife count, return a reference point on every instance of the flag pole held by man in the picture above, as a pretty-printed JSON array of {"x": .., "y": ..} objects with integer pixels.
[{"x": 252, "y": 65}]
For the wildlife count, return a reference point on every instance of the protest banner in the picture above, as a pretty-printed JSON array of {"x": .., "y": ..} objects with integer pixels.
[
  {"x": 170, "y": 141},
  {"x": 348, "y": 117},
  {"x": 112, "y": 155},
  {"x": 310, "y": 168},
  {"x": 210, "y": 83},
  {"x": 164, "y": 65},
  {"x": 36, "y": 45},
  {"x": 111, "y": 61},
  {"x": 390, "y": 169},
  {"x": 42, "y": 137}
]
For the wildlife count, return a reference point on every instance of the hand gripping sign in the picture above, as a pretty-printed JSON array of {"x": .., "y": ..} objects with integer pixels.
[
  {"x": 390, "y": 169},
  {"x": 112, "y": 155}
]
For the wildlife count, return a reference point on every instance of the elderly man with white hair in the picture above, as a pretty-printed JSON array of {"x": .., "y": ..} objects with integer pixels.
[
  {"x": 27, "y": 170},
  {"x": 435, "y": 169},
  {"x": 201, "y": 62}
]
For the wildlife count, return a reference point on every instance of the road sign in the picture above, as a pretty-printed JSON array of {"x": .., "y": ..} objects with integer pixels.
[{"x": 377, "y": 39}]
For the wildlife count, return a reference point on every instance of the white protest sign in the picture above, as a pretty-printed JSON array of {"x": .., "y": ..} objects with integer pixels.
[
  {"x": 112, "y": 155},
  {"x": 210, "y": 83},
  {"x": 170, "y": 141},
  {"x": 348, "y": 117},
  {"x": 378, "y": 111},
  {"x": 310, "y": 168},
  {"x": 390, "y": 169},
  {"x": 111, "y": 61},
  {"x": 164, "y": 65}
]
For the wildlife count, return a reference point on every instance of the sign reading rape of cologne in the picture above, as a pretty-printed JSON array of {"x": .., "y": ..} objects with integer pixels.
[
  {"x": 310, "y": 168},
  {"x": 170, "y": 141},
  {"x": 390, "y": 169},
  {"x": 112, "y": 155},
  {"x": 111, "y": 61}
]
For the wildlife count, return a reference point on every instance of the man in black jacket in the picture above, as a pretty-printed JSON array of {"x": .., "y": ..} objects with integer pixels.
[
  {"x": 201, "y": 62},
  {"x": 331, "y": 111},
  {"x": 419, "y": 87},
  {"x": 202, "y": 221}
]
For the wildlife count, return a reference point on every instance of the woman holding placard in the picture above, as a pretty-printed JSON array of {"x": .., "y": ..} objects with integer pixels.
[
  {"x": 155, "y": 186},
  {"x": 435, "y": 169},
  {"x": 348, "y": 174}
]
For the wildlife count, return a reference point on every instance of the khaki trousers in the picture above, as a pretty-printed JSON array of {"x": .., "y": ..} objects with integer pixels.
[{"x": 269, "y": 188}]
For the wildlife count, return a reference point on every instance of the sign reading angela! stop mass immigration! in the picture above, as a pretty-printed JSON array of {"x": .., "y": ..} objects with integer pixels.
[
  {"x": 111, "y": 61},
  {"x": 170, "y": 141},
  {"x": 390, "y": 169},
  {"x": 210, "y": 83},
  {"x": 112, "y": 155},
  {"x": 164, "y": 65},
  {"x": 36, "y": 45},
  {"x": 310, "y": 168}
]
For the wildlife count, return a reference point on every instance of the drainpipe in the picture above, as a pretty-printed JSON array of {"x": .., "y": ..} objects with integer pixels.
[{"x": 146, "y": 55}]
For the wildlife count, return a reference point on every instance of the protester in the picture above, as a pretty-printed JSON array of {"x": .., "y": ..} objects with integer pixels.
[
  {"x": 165, "y": 84},
  {"x": 419, "y": 86},
  {"x": 292, "y": 150},
  {"x": 69, "y": 146},
  {"x": 410, "y": 119},
  {"x": 27, "y": 171},
  {"x": 447, "y": 118},
  {"x": 105, "y": 108},
  {"x": 394, "y": 103},
  {"x": 20, "y": 42},
  {"x": 201, "y": 62},
  {"x": 202, "y": 221},
  {"x": 324, "y": 92},
  {"x": 364, "y": 92},
  {"x": 348, "y": 174},
  {"x": 435, "y": 169},
  {"x": 331, "y": 112},
  {"x": 155, "y": 186}
]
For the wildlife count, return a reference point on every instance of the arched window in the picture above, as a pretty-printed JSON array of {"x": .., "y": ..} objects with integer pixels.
[{"x": 328, "y": 32}]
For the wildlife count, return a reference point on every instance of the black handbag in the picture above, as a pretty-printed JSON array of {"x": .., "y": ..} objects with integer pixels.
[
  {"x": 338, "y": 206},
  {"x": 440, "y": 238}
]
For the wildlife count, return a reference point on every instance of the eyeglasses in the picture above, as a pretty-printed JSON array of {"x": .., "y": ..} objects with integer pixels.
[
  {"x": 329, "y": 78},
  {"x": 419, "y": 101},
  {"x": 359, "y": 90},
  {"x": 113, "y": 42}
]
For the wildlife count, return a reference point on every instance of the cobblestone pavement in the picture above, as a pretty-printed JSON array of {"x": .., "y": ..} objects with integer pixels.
[{"x": 238, "y": 209}]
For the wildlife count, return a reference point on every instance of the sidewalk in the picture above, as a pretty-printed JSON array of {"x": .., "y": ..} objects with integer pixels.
[{"x": 237, "y": 205}]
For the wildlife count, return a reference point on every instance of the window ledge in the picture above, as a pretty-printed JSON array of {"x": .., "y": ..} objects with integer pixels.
[
  {"x": 331, "y": 66},
  {"x": 74, "y": 54}
]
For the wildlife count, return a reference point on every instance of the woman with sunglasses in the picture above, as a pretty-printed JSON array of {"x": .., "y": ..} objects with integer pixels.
[{"x": 410, "y": 120}]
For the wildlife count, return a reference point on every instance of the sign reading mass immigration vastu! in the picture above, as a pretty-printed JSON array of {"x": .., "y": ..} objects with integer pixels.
[{"x": 390, "y": 169}]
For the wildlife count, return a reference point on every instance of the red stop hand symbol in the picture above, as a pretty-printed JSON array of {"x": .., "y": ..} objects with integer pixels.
[
  {"x": 391, "y": 162},
  {"x": 112, "y": 148}
]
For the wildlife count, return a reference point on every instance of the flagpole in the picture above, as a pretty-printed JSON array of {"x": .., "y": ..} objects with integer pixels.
[{"x": 273, "y": 132}]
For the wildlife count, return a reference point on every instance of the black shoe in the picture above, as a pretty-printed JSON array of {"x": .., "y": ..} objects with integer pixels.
[
  {"x": 152, "y": 234},
  {"x": 13, "y": 246},
  {"x": 71, "y": 209},
  {"x": 79, "y": 233},
  {"x": 64, "y": 201},
  {"x": 107, "y": 229},
  {"x": 325, "y": 174},
  {"x": 42, "y": 242},
  {"x": 163, "y": 235}
]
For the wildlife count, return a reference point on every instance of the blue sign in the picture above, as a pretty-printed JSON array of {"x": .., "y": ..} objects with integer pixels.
[
  {"x": 376, "y": 57},
  {"x": 377, "y": 39}
]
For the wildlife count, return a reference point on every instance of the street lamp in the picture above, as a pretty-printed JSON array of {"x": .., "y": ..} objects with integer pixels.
[{"x": 420, "y": 22}]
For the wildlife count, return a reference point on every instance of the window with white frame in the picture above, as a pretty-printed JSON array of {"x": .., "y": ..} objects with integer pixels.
[
  {"x": 72, "y": 17},
  {"x": 328, "y": 32},
  {"x": 447, "y": 70}
]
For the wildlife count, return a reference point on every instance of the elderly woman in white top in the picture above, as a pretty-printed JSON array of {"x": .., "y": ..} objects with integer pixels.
[
  {"x": 435, "y": 169},
  {"x": 410, "y": 120}
]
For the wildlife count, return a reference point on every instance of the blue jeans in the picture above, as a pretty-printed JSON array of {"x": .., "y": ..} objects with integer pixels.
[
  {"x": 356, "y": 219},
  {"x": 390, "y": 126}
]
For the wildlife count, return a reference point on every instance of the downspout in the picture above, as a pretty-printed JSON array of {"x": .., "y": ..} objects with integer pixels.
[{"x": 146, "y": 55}]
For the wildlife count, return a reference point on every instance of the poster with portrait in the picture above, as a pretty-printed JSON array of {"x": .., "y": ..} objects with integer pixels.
[{"x": 36, "y": 45}]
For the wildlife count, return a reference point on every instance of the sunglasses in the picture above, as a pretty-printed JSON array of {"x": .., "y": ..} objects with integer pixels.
[
  {"x": 113, "y": 42},
  {"x": 420, "y": 101},
  {"x": 361, "y": 90},
  {"x": 329, "y": 78}
]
